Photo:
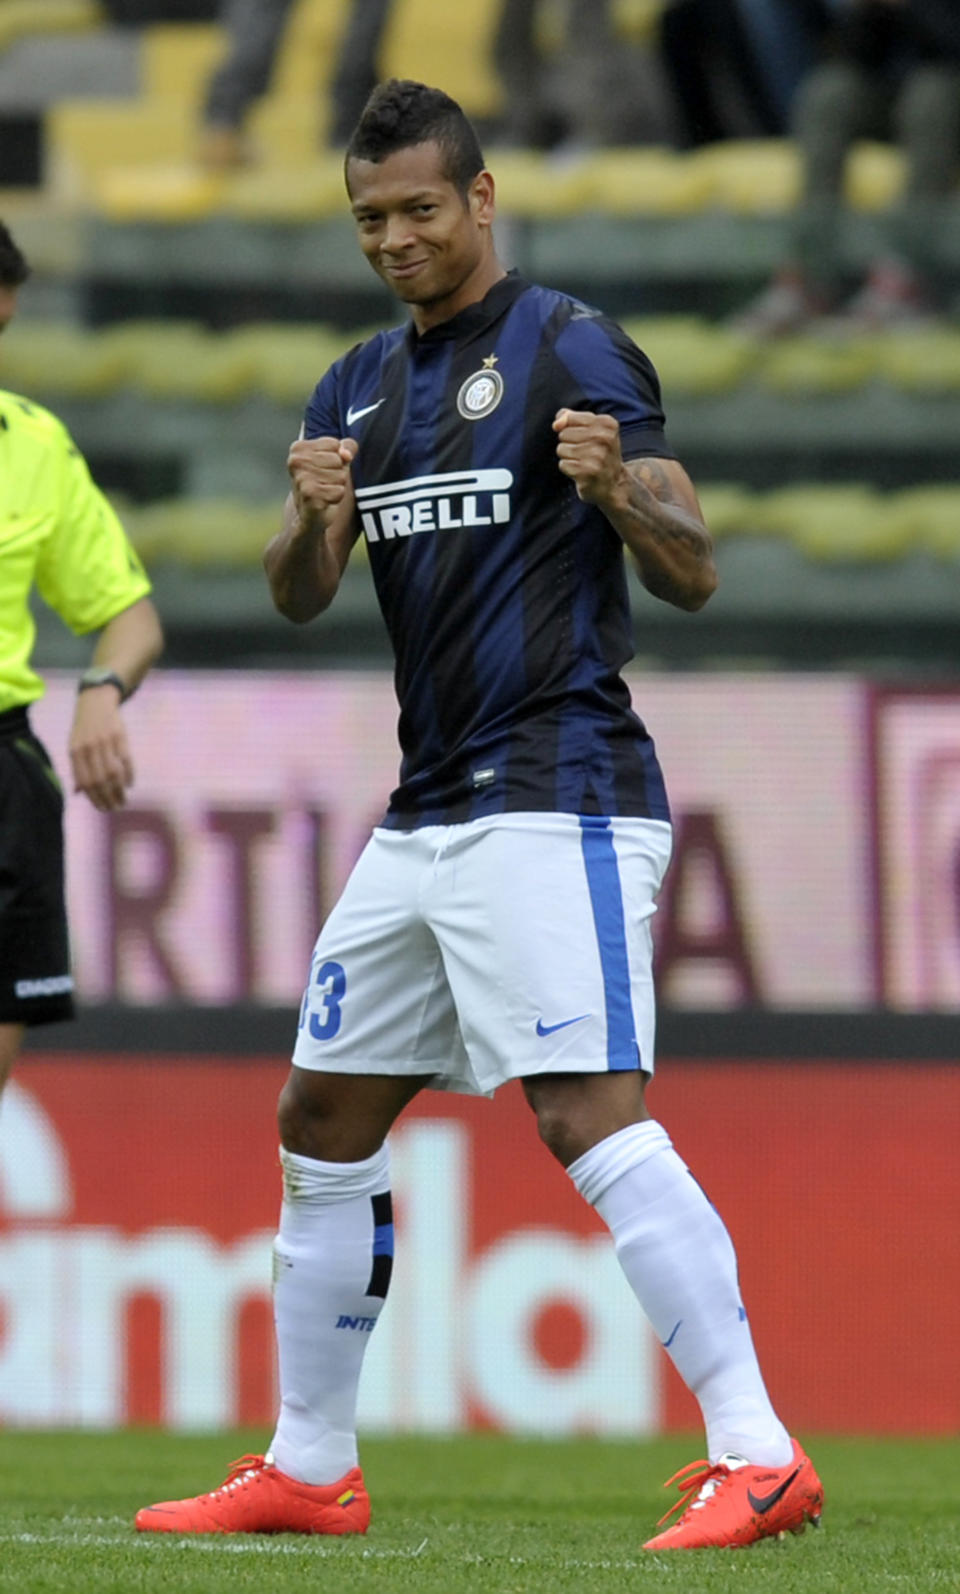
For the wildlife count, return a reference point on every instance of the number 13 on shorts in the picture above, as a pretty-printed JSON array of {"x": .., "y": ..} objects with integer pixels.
[{"x": 322, "y": 999}]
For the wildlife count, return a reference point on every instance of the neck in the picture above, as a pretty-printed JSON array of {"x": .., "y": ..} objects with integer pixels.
[{"x": 471, "y": 291}]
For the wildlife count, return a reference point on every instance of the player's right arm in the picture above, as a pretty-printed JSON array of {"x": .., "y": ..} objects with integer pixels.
[{"x": 306, "y": 559}]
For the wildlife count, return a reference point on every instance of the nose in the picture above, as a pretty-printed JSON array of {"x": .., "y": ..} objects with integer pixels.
[{"x": 397, "y": 234}]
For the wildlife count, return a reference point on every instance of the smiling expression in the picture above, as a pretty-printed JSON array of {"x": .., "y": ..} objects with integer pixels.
[{"x": 431, "y": 244}]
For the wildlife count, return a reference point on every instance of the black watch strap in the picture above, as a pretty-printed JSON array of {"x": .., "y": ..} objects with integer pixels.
[{"x": 99, "y": 675}]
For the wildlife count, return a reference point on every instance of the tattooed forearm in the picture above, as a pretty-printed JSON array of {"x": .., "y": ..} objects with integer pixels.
[
  {"x": 659, "y": 519},
  {"x": 652, "y": 474}
]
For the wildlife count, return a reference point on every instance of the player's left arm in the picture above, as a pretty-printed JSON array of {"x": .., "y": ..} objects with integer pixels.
[
  {"x": 99, "y": 749},
  {"x": 650, "y": 503}
]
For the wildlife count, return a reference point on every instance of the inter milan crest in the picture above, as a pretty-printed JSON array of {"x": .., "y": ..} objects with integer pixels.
[{"x": 481, "y": 392}]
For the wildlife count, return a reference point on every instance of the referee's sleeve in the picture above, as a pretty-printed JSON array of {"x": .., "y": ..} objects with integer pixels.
[{"x": 88, "y": 571}]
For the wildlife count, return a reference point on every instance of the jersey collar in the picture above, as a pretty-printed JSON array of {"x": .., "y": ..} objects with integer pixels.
[{"x": 475, "y": 317}]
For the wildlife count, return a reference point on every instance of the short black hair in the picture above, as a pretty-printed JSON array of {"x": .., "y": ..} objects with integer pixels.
[
  {"x": 400, "y": 113},
  {"x": 13, "y": 264}
]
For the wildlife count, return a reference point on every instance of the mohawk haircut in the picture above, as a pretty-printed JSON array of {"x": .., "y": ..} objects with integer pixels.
[
  {"x": 401, "y": 113},
  {"x": 13, "y": 265}
]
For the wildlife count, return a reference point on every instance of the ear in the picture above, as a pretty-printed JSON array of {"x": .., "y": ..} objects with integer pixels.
[{"x": 481, "y": 198}]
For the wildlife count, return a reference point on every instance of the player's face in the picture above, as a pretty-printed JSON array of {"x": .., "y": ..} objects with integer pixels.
[
  {"x": 431, "y": 244},
  {"x": 8, "y": 303}
]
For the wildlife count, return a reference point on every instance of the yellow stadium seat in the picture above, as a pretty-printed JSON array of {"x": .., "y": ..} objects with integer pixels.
[
  {"x": 691, "y": 355},
  {"x": 88, "y": 138},
  {"x": 289, "y": 358},
  {"x": 177, "y": 60},
  {"x": 162, "y": 358},
  {"x": 177, "y": 193},
  {"x": 814, "y": 365},
  {"x": 637, "y": 19},
  {"x": 874, "y": 176},
  {"x": 308, "y": 190},
  {"x": 57, "y": 358},
  {"x": 204, "y": 533},
  {"x": 447, "y": 45},
  {"x": 530, "y": 184},
  {"x": 647, "y": 181},
  {"x": 728, "y": 509},
  {"x": 750, "y": 176},
  {"x": 309, "y": 48},
  {"x": 931, "y": 517},
  {"x": 21, "y": 18},
  {"x": 848, "y": 524},
  {"x": 921, "y": 360}
]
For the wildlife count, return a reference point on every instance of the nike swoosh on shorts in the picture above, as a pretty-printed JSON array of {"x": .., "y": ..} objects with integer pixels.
[{"x": 548, "y": 1029}]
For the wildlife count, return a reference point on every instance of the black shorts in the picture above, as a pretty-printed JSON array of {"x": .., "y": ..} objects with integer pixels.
[{"x": 36, "y": 986}]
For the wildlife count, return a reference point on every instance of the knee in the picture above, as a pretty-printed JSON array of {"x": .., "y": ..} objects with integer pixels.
[
  {"x": 304, "y": 1117},
  {"x": 558, "y": 1131}
]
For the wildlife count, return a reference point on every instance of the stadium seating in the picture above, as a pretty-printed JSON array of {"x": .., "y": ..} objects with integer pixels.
[
  {"x": 134, "y": 158},
  {"x": 179, "y": 318},
  {"x": 847, "y": 525},
  {"x": 22, "y": 18},
  {"x": 167, "y": 358}
]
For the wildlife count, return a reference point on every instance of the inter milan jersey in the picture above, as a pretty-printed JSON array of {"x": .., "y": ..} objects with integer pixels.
[{"x": 505, "y": 596}]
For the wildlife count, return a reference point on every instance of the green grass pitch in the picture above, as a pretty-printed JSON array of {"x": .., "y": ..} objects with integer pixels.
[{"x": 484, "y": 1513}]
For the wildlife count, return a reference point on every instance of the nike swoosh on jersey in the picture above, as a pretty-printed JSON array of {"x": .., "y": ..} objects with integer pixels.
[
  {"x": 356, "y": 415},
  {"x": 764, "y": 1502},
  {"x": 550, "y": 1029}
]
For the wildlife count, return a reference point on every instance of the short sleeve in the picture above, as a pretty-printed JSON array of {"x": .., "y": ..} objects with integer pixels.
[
  {"x": 88, "y": 570},
  {"x": 322, "y": 415},
  {"x": 611, "y": 376}
]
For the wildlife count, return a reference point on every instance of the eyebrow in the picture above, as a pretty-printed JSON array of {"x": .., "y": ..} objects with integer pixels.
[{"x": 408, "y": 199}]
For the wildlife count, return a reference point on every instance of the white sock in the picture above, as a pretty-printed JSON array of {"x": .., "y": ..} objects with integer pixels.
[
  {"x": 331, "y": 1267},
  {"x": 681, "y": 1265}
]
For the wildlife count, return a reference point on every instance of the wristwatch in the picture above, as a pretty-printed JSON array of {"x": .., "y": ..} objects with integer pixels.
[{"x": 100, "y": 675}]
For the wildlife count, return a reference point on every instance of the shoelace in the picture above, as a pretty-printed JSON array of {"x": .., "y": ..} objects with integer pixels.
[
  {"x": 697, "y": 1482},
  {"x": 239, "y": 1470}
]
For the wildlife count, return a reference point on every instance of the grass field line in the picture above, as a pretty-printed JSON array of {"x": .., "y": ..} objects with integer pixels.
[
  {"x": 315, "y": 1547},
  {"x": 221, "y": 1543}
]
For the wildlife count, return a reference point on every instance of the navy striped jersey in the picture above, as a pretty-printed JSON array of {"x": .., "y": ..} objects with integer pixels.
[{"x": 504, "y": 595}]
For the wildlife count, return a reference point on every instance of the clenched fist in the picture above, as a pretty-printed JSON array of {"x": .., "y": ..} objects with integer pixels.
[
  {"x": 320, "y": 472},
  {"x": 588, "y": 451}
]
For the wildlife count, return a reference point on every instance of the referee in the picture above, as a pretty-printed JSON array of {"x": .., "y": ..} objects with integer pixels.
[{"x": 59, "y": 535}]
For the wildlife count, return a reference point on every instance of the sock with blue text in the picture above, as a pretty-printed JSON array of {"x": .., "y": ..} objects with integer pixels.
[
  {"x": 331, "y": 1267},
  {"x": 680, "y": 1263}
]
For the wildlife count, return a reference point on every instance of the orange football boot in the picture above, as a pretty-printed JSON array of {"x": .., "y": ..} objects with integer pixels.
[
  {"x": 728, "y": 1504},
  {"x": 257, "y": 1498}
]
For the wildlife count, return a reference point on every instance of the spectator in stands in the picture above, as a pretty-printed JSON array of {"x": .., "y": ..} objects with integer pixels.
[
  {"x": 255, "y": 31},
  {"x": 59, "y": 535},
  {"x": 596, "y": 88},
  {"x": 891, "y": 68},
  {"x": 730, "y": 74}
]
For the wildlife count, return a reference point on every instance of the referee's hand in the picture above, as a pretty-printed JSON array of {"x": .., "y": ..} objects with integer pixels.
[{"x": 99, "y": 750}]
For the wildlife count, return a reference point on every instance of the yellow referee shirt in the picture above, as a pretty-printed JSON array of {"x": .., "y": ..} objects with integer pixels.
[{"x": 58, "y": 533}]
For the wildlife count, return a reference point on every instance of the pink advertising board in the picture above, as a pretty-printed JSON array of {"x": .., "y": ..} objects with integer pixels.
[{"x": 816, "y": 831}]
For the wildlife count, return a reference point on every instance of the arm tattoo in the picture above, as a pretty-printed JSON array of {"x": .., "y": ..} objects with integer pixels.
[
  {"x": 655, "y": 478},
  {"x": 679, "y": 544}
]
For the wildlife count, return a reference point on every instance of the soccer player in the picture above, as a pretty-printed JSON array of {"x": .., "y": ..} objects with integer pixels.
[
  {"x": 497, "y": 454},
  {"x": 58, "y": 534}
]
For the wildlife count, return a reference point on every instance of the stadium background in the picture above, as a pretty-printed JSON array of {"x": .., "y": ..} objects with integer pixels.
[{"x": 809, "y": 722}]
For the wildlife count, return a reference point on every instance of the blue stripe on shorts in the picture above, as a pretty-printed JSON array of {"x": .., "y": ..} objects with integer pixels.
[{"x": 606, "y": 900}]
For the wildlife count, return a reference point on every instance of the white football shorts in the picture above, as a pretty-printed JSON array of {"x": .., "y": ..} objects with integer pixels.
[{"x": 511, "y": 945}]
